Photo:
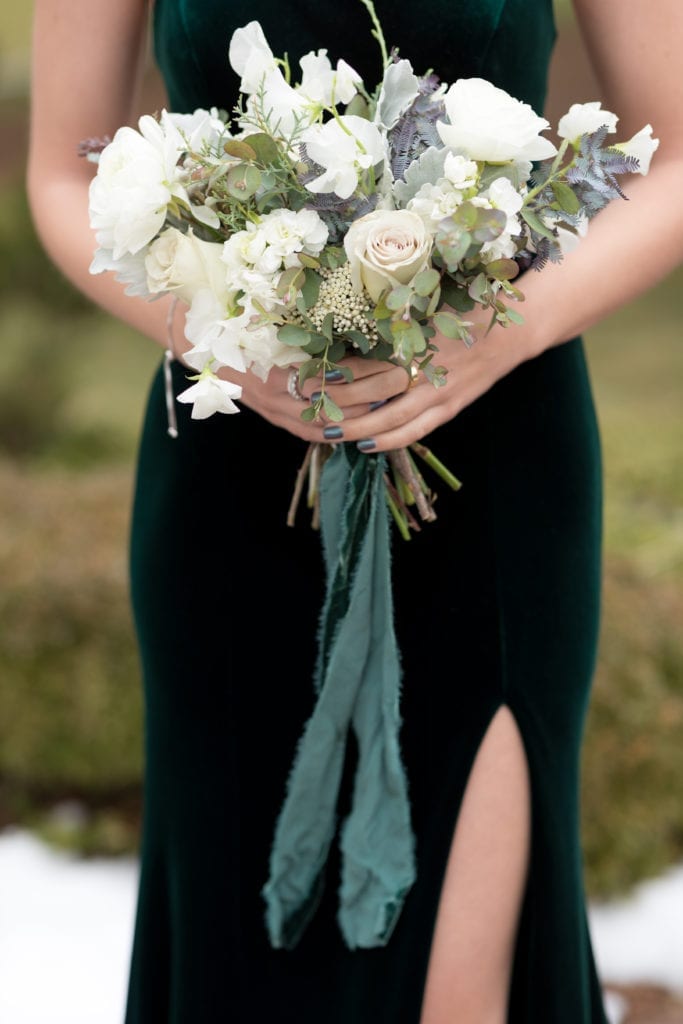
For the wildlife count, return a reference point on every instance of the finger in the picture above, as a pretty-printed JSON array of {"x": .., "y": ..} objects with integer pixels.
[
  {"x": 391, "y": 416},
  {"x": 408, "y": 433},
  {"x": 375, "y": 388}
]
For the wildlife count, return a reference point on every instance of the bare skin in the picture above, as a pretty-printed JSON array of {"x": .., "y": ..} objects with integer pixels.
[{"x": 86, "y": 59}]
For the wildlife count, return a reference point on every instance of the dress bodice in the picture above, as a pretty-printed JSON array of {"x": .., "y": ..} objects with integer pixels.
[{"x": 507, "y": 41}]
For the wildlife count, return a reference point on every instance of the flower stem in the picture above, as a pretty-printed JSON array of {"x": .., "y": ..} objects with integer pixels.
[
  {"x": 399, "y": 519},
  {"x": 435, "y": 464},
  {"x": 377, "y": 31}
]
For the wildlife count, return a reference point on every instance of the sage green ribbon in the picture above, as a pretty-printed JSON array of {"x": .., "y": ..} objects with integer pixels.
[{"x": 358, "y": 684}]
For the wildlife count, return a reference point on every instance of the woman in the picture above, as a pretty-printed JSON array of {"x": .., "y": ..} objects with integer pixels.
[{"x": 497, "y": 603}]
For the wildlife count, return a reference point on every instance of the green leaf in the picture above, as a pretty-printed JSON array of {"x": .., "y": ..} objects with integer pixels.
[
  {"x": 513, "y": 315},
  {"x": 466, "y": 215},
  {"x": 448, "y": 324},
  {"x": 309, "y": 414},
  {"x": 328, "y": 325},
  {"x": 336, "y": 352},
  {"x": 503, "y": 269},
  {"x": 292, "y": 334},
  {"x": 426, "y": 281},
  {"x": 316, "y": 344},
  {"x": 408, "y": 340},
  {"x": 398, "y": 297},
  {"x": 490, "y": 224},
  {"x": 434, "y": 302},
  {"x": 361, "y": 340},
  {"x": 536, "y": 224},
  {"x": 456, "y": 296},
  {"x": 239, "y": 149},
  {"x": 479, "y": 287},
  {"x": 331, "y": 409},
  {"x": 384, "y": 329},
  {"x": 310, "y": 289},
  {"x": 358, "y": 106},
  {"x": 308, "y": 261},
  {"x": 566, "y": 197},
  {"x": 265, "y": 149},
  {"x": 311, "y": 368},
  {"x": 290, "y": 280},
  {"x": 419, "y": 303},
  {"x": 243, "y": 181}
]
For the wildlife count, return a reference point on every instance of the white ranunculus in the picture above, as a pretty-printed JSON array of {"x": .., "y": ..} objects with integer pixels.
[
  {"x": 250, "y": 56},
  {"x": 642, "y": 146},
  {"x": 486, "y": 123},
  {"x": 344, "y": 150},
  {"x": 584, "y": 119},
  {"x": 184, "y": 264},
  {"x": 137, "y": 177},
  {"x": 210, "y": 394},
  {"x": 386, "y": 248}
]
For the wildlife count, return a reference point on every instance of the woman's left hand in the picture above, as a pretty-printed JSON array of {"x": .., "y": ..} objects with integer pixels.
[{"x": 421, "y": 407}]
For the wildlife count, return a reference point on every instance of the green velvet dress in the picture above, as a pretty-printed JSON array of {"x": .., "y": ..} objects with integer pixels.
[{"x": 496, "y": 603}]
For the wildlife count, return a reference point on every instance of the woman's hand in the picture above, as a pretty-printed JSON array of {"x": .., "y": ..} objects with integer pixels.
[{"x": 404, "y": 413}]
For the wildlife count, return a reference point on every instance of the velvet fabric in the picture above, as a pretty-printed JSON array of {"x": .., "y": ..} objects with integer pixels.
[{"x": 496, "y": 604}]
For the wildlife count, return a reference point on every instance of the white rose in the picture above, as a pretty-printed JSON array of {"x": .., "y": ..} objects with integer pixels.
[
  {"x": 386, "y": 248},
  {"x": 486, "y": 123},
  {"x": 641, "y": 146},
  {"x": 250, "y": 56},
  {"x": 344, "y": 148},
  {"x": 584, "y": 119},
  {"x": 184, "y": 264}
]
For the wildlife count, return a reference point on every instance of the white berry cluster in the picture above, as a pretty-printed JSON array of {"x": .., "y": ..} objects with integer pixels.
[{"x": 337, "y": 295}]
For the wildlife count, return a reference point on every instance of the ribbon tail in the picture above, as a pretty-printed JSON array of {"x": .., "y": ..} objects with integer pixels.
[{"x": 377, "y": 842}]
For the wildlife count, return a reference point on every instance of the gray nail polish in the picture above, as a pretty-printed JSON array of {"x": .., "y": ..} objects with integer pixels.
[
  {"x": 376, "y": 405},
  {"x": 315, "y": 396},
  {"x": 333, "y": 433},
  {"x": 366, "y": 445},
  {"x": 333, "y": 376}
]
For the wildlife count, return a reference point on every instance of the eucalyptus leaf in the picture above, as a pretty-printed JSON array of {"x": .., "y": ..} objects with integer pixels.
[
  {"x": 310, "y": 289},
  {"x": 309, "y": 414},
  {"x": 241, "y": 150},
  {"x": 536, "y": 224},
  {"x": 361, "y": 340},
  {"x": 265, "y": 149},
  {"x": 479, "y": 287},
  {"x": 291, "y": 279},
  {"x": 448, "y": 324},
  {"x": 513, "y": 315},
  {"x": 502, "y": 269},
  {"x": 490, "y": 225},
  {"x": 455, "y": 296},
  {"x": 243, "y": 181},
  {"x": 328, "y": 325},
  {"x": 398, "y": 297},
  {"x": 311, "y": 368},
  {"x": 316, "y": 344},
  {"x": 336, "y": 352},
  {"x": 426, "y": 281},
  {"x": 434, "y": 302},
  {"x": 331, "y": 409},
  {"x": 292, "y": 334}
]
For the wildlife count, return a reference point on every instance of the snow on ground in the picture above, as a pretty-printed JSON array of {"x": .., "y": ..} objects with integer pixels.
[{"x": 66, "y": 926}]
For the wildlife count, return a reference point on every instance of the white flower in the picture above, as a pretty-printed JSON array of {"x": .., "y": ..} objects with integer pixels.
[
  {"x": 210, "y": 322},
  {"x": 200, "y": 130},
  {"x": 129, "y": 270},
  {"x": 284, "y": 108},
  {"x": 642, "y": 146},
  {"x": 502, "y": 195},
  {"x": 289, "y": 231},
  {"x": 137, "y": 177},
  {"x": 321, "y": 85},
  {"x": 486, "y": 123},
  {"x": 250, "y": 56},
  {"x": 584, "y": 119},
  {"x": 343, "y": 150},
  {"x": 386, "y": 248},
  {"x": 184, "y": 264},
  {"x": 211, "y": 394},
  {"x": 435, "y": 202},
  {"x": 461, "y": 173}
]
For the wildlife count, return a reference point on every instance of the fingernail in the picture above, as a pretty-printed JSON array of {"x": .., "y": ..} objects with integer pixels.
[
  {"x": 333, "y": 433},
  {"x": 331, "y": 376},
  {"x": 376, "y": 405},
  {"x": 366, "y": 445},
  {"x": 315, "y": 396}
]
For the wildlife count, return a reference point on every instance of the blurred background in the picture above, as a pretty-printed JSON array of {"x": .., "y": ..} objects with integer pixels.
[{"x": 72, "y": 389}]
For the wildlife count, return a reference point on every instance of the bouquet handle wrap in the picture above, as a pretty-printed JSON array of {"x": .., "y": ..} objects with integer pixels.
[{"x": 358, "y": 685}]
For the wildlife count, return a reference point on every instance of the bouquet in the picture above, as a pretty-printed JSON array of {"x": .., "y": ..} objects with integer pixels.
[{"x": 328, "y": 219}]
